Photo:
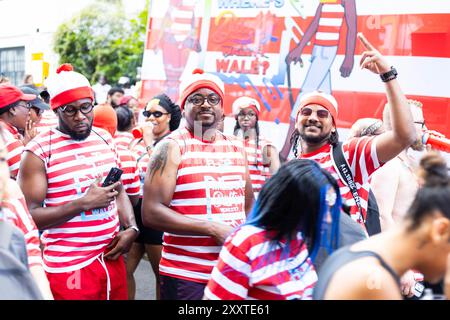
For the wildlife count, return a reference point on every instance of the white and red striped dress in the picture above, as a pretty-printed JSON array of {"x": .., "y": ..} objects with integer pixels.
[
  {"x": 72, "y": 167},
  {"x": 210, "y": 186},
  {"x": 252, "y": 267},
  {"x": 123, "y": 139},
  {"x": 15, "y": 210},
  {"x": 130, "y": 176},
  {"x": 330, "y": 23},
  {"x": 143, "y": 159},
  {"x": 259, "y": 171},
  {"x": 48, "y": 121},
  {"x": 361, "y": 155},
  {"x": 14, "y": 146}
]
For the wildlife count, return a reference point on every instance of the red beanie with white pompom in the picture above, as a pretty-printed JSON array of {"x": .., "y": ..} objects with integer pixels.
[
  {"x": 198, "y": 80},
  {"x": 66, "y": 86}
]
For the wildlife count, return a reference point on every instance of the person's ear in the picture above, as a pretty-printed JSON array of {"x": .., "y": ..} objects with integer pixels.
[{"x": 440, "y": 230}]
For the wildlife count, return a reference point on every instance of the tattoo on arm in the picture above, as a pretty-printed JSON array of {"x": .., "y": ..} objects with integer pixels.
[{"x": 158, "y": 160}]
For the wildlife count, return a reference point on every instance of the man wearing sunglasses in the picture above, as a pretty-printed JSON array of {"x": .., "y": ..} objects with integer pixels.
[
  {"x": 61, "y": 174},
  {"x": 14, "y": 115},
  {"x": 316, "y": 134},
  {"x": 197, "y": 190}
]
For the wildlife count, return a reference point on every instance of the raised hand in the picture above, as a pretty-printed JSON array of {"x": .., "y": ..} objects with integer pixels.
[{"x": 372, "y": 59}]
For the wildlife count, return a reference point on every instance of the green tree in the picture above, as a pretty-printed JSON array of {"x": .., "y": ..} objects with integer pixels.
[{"x": 101, "y": 40}]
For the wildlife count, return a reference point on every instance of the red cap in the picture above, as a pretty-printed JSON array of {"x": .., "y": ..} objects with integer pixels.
[{"x": 10, "y": 94}]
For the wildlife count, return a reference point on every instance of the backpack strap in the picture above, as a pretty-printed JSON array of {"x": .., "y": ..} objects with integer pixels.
[{"x": 345, "y": 174}]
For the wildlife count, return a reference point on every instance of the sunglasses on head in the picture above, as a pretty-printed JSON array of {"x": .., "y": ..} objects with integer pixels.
[
  {"x": 156, "y": 114},
  {"x": 320, "y": 113}
]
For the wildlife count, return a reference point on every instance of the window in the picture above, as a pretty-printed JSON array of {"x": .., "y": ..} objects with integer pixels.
[{"x": 12, "y": 64}]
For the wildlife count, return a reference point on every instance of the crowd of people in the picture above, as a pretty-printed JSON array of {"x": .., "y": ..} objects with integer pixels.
[{"x": 220, "y": 216}]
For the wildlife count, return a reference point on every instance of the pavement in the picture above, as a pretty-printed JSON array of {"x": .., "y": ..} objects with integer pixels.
[{"x": 145, "y": 281}]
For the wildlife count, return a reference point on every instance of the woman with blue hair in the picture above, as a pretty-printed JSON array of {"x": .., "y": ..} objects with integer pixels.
[{"x": 271, "y": 256}]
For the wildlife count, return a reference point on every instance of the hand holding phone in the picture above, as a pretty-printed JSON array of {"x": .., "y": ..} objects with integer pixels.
[{"x": 112, "y": 177}]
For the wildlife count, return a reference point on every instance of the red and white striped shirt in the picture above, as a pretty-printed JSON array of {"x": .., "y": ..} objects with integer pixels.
[
  {"x": 48, "y": 121},
  {"x": 123, "y": 139},
  {"x": 259, "y": 171},
  {"x": 210, "y": 186},
  {"x": 252, "y": 267},
  {"x": 15, "y": 210},
  {"x": 14, "y": 146},
  {"x": 130, "y": 176},
  {"x": 330, "y": 23},
  {"x": 72, "y": 166},
  {"x": 361, "y": 155}
]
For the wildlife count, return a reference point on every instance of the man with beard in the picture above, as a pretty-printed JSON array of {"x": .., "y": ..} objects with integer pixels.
[
  {"x": 197, "y": 189},
  {"x": 316, "y": 133},
  {"x": 62, "y": 169}
]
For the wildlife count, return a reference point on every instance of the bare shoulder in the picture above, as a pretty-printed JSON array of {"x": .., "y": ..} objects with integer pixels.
[
  {"x": 363, "y": 279},
  {"x": 166, "y": 156}
]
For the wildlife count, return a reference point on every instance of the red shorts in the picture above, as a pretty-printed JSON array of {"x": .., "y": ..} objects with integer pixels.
[{"x": 90, "y": 283}]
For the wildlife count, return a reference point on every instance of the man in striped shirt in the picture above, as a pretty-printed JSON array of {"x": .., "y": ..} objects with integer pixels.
[
  {"x": 15, "y": 117},
  {"x": 60, "y": 176},
  {"x": 197, "y": 189},
  {"x": 325, "y": 26},
  {"x": 316, "y": 133}
]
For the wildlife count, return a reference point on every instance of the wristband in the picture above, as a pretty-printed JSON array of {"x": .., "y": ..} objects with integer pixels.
[{"x": 390, "y": 75}]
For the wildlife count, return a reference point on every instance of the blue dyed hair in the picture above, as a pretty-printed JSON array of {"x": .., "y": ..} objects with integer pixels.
[{"x": 293, "y": 200}]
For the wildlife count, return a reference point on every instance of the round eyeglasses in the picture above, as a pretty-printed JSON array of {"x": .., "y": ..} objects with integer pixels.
[{"x": 199, "y": 99}]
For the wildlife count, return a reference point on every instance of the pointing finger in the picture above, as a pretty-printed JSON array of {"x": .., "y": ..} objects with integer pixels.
[{"x": 364, "y": 41}]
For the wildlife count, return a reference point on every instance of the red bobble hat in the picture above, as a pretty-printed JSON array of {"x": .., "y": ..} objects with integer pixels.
[
  {"x": 199, "y": 80},
  {"x": 66, "y": 86}
]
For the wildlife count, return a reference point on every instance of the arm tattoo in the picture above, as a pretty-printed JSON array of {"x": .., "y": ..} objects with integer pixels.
[{"x": 158, "y": 160}]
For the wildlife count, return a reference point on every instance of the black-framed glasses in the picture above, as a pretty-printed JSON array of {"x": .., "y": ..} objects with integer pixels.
[
  {"x": 250, "y": 114},
  {"x": 72, "y": 110},
  {"x": 156, "y": 114},
  {"x": 422, "y": 123},
  {"x": 320, "y": 113},
  {"x": 199, "y": 99}
]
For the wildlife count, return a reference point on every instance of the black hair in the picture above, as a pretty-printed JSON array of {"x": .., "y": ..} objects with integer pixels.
[
  {"x": 172, "y": 108},
  {"x": 435, "y": 193},
  {"x": 124, "y": 118},
  {"x": 114, "y": 90},
  {"x": 293, "y": 200},
  {"x": 9, "y": 107},
  {"x": 295, "y": 140}
]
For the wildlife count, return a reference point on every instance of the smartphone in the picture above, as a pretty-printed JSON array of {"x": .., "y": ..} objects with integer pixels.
[{"x": 112, "y": 177}]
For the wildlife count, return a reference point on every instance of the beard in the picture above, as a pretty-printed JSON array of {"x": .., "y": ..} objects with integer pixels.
[
  {"x": 314, "y": 139},
  {"x": 74, "y": 135}
]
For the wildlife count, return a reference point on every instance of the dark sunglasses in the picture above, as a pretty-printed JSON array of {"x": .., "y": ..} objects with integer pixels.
[
  {"x": 71, "y": 110},
  {"x": 320, "y": 113},
  {"x": 199, "y": 99},
  {"x": 156, "y": 114}
]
